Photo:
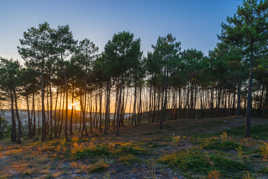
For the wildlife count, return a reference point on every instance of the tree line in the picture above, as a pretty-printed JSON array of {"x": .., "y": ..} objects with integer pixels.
[{"x": 122, "y": 87}]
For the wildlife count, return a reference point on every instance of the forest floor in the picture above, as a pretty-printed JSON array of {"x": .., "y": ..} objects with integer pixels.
[{"x": 205, "y": 148}]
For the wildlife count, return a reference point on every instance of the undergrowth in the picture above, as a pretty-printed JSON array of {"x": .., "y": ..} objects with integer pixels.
[{"x": 197, "y": 161}]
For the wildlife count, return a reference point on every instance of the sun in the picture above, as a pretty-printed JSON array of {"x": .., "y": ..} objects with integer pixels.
[{"x": 74, "y": 105}]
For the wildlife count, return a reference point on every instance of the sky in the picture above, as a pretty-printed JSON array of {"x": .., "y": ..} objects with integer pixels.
[{"x": 195, "y": 23}]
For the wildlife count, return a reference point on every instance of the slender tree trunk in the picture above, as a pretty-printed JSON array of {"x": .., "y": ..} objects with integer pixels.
[
  {"x": 33, "y": 114},
  {"x": 265, "y": 104},
  {"x": 249, "y": 103},
  {"x": 72, "y": 110},
  {"x": 14, "y": 126},
  {"x": 51, "y": 111},
  {"x": 56, "y": 115},
  {"x": 44, "y": 129},
  {"x": 107, "y": 108},
  {"x": 18, "y": 119},
  {"x": 100, "y": 109},
  {"x": 29, "y": 118},
  {"x": 66, "y": 115}
]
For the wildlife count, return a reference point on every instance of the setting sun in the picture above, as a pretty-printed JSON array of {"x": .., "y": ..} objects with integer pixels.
[{"x": 75, "y": 105}]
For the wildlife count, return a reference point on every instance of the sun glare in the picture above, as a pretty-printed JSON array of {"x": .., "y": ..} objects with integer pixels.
[{"x": 74, "y": 105}]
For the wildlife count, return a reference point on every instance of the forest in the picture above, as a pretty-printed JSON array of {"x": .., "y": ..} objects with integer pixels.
[{"x": 81, "y": 103}]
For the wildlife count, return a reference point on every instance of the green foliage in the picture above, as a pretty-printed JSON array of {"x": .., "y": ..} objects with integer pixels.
[
  {"x": 264, "y": 171},
  {"x": 201, "y": 162},
  {"x": 128, "y": 159},
  {"x": 221, "y": 145},
  {"x": 129, "y": 149},
  {"x": 110, "y": 151},
  {"x": 258, "y": 131},
  {"x": 227, "y": 165},
  {"x": 98, "y": 151}
]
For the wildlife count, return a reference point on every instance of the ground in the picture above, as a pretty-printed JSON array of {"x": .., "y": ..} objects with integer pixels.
[{"x": 205, "y": 148}]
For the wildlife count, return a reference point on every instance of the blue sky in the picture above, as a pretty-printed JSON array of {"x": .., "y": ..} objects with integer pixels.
[{"x": 195, "y": 23}]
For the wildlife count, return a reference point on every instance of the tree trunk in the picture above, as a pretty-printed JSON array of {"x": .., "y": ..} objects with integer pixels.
[
  {"x": 18, "y": 119},
  {"x": 29, "y": 118},
  {"x": 14, "y": 126},
  {"x": 43, "y": 138},
  {"x": 249, "y": 103}
]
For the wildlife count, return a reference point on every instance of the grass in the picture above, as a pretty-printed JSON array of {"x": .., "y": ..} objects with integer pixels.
[
  {"x": 214, "y": 174},
  {"x": 128, "y": 159},
  {"x": 97, "y": 151},
  {"x": 227, "y": 165},
  {"x": 211, "y": 154},
  {"x": 264, "y": 170},
  {"x": 130, "y": 149},
  {"x": 221, "y": 145},
  {"x": 257, "y": 132},
  {"x": 99, "y": 166},
  {"x": 264, "y": 150},
  {"x": 197, "y": 161},
  {"x": 105, "y": 150}
]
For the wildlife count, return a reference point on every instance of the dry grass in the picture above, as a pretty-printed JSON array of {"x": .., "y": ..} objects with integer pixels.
[
  {"x": 98, "y": 166},
  {"x": 214, "y": 174},
  {"x": 133, "y": 144},
  {"x": 264, "y": 151}
]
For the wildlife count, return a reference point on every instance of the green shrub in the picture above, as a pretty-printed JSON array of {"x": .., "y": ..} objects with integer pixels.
[
  {"x": 257, "y": 132},
  {"x": 201, "y": 162},
  {"x": 128, "y": 159},
  {"x": 100, "y": 150},
  {"x": 227, "y": 165},
  {"x": 108, "y": 151},
  {"x": 130, "y": 149},
  {"x": 195, "y": 161},
  {"x": 221, "y": 145},
  {"x": 264, "y": 171}
]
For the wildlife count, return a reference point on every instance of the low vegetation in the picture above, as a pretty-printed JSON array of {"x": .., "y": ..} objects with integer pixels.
[{"x": 165, "y": 155}]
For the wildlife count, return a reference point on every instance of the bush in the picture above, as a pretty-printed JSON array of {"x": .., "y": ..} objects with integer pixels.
[
  {"x": 221, "y": 145},
  {"x": 257, "y": 132},
  {"x": 99, "y": 150},
  {"x": 188, "y": 160},
  {"x": 130, "y": 149},
  {"x": 227, "y": 165},
  {"x": 264, "y": 171},
  {"x": 201, "y": 162},
  {"x": 107, "y": 150}
]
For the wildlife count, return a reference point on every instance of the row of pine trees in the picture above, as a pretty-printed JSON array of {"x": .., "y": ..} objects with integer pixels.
[{"x": 122, "y": 87}]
